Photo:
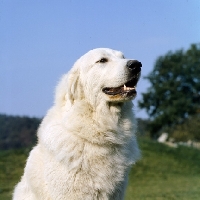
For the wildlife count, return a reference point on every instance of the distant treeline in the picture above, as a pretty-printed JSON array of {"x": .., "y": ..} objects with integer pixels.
[
  {"x": 20, "y": 131},
  {"x": 17, "y": 132}
]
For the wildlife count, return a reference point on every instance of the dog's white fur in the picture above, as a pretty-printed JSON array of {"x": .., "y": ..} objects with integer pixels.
[{"x": 86, "y": 142}]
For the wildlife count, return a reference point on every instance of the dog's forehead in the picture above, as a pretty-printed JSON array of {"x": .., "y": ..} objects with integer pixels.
[{"x": 104, "y": 52}]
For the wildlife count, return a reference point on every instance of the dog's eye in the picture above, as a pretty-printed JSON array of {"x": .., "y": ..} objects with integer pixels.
[{"x": 102, "y": 60}]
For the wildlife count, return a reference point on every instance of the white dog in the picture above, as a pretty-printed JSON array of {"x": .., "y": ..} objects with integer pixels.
[{"x": 86, "y": 142}]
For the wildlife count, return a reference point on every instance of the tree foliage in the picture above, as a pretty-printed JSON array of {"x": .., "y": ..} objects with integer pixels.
[
  {"x": 188, "y": 130},
  {"x": 174, "y": 94},
  {"x": 17, "y": 132}
]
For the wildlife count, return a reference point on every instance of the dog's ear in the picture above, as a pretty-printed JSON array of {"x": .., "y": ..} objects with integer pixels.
[
  {"x": 73, "y": 85},
  {"x": 68, "y": 89}
]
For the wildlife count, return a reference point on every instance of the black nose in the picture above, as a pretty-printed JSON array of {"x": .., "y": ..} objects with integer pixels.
[{"x": 134, "y": 66}]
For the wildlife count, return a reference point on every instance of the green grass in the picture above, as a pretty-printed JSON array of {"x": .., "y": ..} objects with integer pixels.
[
  {"x": 11, "y": 168},
  {"x": 163, "y": 173}
]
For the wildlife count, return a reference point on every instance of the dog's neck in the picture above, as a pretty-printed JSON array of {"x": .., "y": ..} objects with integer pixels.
[{"x": 107, "y": 123}]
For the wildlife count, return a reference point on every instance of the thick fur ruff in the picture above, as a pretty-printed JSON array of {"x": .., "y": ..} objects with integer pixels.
[{"x": 86, "y": 142}]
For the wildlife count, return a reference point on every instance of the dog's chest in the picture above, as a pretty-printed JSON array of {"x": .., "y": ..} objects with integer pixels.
[{"x": 91, "y": 170}]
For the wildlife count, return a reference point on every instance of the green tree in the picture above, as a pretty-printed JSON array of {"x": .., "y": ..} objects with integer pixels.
[
  {"x": 189, "y": 130},
  {"x": 174, "y": 94},
  {"x": 17, "y": 132}
]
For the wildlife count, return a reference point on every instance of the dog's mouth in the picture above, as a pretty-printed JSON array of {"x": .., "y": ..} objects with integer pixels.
[{"x": 128, "y": 89}]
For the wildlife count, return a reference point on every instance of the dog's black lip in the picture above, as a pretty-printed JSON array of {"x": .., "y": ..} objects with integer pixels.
[{"x": 120, "y": 90}]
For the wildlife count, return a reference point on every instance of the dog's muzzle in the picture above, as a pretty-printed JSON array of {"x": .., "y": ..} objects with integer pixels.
[{"x": 128, "y": 89}]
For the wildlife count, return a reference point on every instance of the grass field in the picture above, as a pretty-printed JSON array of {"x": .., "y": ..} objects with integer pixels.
[{"x": 163, "y": 173}]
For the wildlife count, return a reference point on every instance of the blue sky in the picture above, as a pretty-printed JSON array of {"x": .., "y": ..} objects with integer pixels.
[{"x": 40, "y": 40}]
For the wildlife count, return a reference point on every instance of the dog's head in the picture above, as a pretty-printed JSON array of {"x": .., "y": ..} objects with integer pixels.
[{"x": 101, "y": 75}]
